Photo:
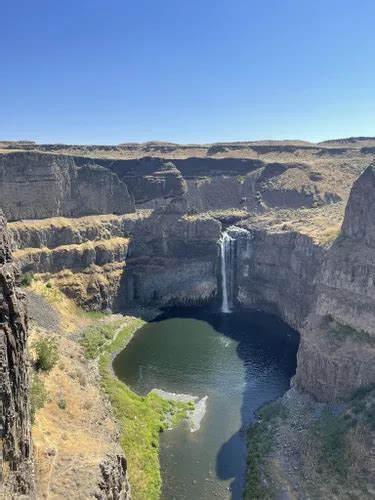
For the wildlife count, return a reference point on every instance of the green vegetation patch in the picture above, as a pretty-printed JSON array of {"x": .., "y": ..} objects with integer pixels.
[
  {"x": 330, "y": 435},
  {"x": 26, "y": 279},
  {"x": 94, "y": 338},
  {"x": 362, "y": 408},
  {"x": 260, "y": 440},
  {"x": 141, "y": 419},
  {"x": 38, "y": 396},
  {"x": 342, "y": 332},
  {"x": 341, "y": 442},
  {"x": 94, "y": 315}
]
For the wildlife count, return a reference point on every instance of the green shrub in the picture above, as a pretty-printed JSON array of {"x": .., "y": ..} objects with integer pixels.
[
  {"x": 330, "y": 432},
  {"x": 26, "y": 279},
  {"x": 38, "y": 396},
  {"x": 49, "y": 284},
  {"x": 62, "y": 404},
  {"x": 46, "y": 353}
]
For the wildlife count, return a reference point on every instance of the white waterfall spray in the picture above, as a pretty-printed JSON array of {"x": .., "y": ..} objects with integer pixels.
[{"x": 226, "y": 273}]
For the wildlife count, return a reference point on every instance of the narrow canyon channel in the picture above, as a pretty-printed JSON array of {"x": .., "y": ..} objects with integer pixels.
[{"x": 239, "y": 360}]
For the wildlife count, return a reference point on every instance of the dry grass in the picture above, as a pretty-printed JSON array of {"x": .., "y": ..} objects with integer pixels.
[
  {"x": 72, "y": 439},
  {"x": 70, "y": 442},
  {"x": 85, "y": 284},
  {"x": 321, "y": 224},
  {"x": 70, "y": 316},
  {"x": 110, "y": 244},
  {"x": 75, "y": 223}
]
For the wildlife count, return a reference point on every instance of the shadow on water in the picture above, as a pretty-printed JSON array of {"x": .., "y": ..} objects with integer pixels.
[
  {"x": 277, "y": 344},
  {"x": 273, "y": 344}
]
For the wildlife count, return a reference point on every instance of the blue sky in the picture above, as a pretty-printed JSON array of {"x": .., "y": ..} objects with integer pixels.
[{"x": 111, "y": 71}]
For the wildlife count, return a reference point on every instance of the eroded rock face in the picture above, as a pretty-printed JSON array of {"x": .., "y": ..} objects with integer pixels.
[
  {"x": 149, "y": 178},
  {"x": 359, "y": 222},
  {"x": 16, "y": 453},
  {"x": 276, "y": 271},
  {"x": 337, "y": 353},
  {"x": 115, "y": 484},
  {"x": 74, "y": 257},
  {"x": 38, "y": 185},
  {"x": 172, "y": 258}
]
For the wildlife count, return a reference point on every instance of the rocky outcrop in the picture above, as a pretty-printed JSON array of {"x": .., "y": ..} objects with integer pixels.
[
  {"x": 84, "y": 257},
  {"x": 38, "y": 185},
  {"x": 149, "y": 178},
  {"x": 115, "y": 484},
  {"x": 172, "y": 259},
  {"x": 73, "y": 257},
  {"x": 337, "y": 353},
  {"x": 59, "y": 231},
  {"x": 16, "y": 469}
]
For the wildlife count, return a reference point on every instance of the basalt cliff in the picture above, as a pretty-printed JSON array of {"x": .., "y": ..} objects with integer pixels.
[
  {"x": 16, "y": 466},
  {"x": 138, "y": 227}
]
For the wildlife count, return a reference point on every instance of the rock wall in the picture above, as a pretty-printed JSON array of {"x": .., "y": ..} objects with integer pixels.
[
  {"x": 172, "y": 259},
  {"x": 148, "y": 178},
  {"x": 275, "y": 271},
  {"x": 115, "y": 484},
  {"x": 83, "y": 257},
  {"x": 337, "y": 353},
  {"x": 38, "y": 185},
  {"x": 16, "y": 469},
  {"x": 73, "y": 257},
  {"x": 59, "y": 231}
]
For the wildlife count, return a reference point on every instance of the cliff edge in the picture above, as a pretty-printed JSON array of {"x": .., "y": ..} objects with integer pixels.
[{"x": 16, "y": 467}]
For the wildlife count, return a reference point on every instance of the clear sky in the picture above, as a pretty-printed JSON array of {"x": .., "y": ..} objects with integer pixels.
[{"x": 111, "y": 71}]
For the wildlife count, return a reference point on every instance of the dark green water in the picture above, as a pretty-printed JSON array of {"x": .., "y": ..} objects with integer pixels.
[{"x": 240, "y": 360}]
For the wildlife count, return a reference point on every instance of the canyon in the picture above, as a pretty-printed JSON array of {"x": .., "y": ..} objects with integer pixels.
[{"x": 134, "y": 227}]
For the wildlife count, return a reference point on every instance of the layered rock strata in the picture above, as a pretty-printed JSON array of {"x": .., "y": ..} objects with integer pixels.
[
  {"x": 38, "y": 185},
  {"x": 84, "y": 257}
]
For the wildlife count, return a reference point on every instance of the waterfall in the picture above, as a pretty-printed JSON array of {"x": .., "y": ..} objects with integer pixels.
[{"x": 226, "y": 252}]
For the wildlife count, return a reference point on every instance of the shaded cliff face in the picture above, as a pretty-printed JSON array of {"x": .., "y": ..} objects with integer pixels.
[
  {"x": 148, "y": 178},
  {"x": 275, "y": 272},
  {"x": 37, "y": 185},
  {"x": 337, "y": 354},
  {"x": 223, "y": 183},
  {"x": 172, "y": 259},
  {"x": 16, "y": 455}
]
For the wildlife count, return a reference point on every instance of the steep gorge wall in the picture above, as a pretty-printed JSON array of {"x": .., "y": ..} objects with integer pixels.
[
  {"x": 337, "y": 353},
  {"x": 172, "y": 259},
  {"x": 16, "y": 468},
  {"x": 275, "y": 271},
  {"x": 38, "y": 185}
]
